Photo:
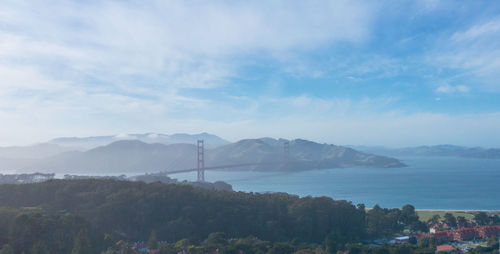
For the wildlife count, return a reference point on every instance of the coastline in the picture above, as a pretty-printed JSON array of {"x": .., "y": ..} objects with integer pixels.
[{"x": 456, "y": 210}]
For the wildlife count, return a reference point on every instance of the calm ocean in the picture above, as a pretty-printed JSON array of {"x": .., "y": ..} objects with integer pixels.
[{"x": 427, "y": 183}]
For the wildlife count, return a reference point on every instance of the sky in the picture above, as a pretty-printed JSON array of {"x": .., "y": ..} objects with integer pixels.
[{"x": 392, "y": 73}]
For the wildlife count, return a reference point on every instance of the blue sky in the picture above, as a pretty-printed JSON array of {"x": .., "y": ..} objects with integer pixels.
[{"x": 393, "y": 73}]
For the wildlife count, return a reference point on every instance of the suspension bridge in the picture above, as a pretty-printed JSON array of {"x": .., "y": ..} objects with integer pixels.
[{"x": 201, "y": 168}]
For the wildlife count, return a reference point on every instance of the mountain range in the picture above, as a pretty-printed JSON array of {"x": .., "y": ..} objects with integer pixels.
[
  {"x": 437, "y": 150},
  {"x": 303, "y": 154},
  {"x": 151, "y": 138},
  {"x": 137, "y": 156}
]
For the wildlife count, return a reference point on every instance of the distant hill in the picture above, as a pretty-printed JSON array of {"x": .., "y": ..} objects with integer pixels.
[
  {"x": 304, "y": 155},
  {"x": 211, "y": 140},
  {"x": 125, "y": 156},
  {"x": 134, "y": 156},
  {"x": 17, "y": 155},
  {"x": 35, "y": 151},
  {"x": 438, "y": 150}
]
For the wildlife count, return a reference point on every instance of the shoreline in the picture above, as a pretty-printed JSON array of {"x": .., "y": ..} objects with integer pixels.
[
  {"x": 450, "y": 210},
  {"x": 455, "y": 210}
]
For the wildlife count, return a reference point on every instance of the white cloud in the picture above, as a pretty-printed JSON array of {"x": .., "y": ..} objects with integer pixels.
[
  {"x": 124, "y": 136},
  {"x": 15, "y": 78},
  {"x": 174, "y": 43},
  {"x": 106, "y": 67},
  {"x": 473, "y": 52},
  {"x": 153, "y": 135},
  {"x": 97, "y": 65},
  {"x": 477, "y": 31},
  {"x": 452, "y": 89},
  {"x": 112, "y": 63}
]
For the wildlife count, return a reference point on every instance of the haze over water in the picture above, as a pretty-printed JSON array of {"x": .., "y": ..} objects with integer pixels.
[{"x": 427, "y": 183}]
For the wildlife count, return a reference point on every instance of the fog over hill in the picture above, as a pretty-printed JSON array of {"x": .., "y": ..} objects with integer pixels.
[
  {"x": 95, "y": 141},
  {"x": 135, "y": 156},
  {"x": 71, "y": 144},
  {"x": 35, "y": 151}
]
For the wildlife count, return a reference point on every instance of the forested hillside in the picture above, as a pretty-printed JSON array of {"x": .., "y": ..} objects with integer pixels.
[{"x": 122, "y": 210}]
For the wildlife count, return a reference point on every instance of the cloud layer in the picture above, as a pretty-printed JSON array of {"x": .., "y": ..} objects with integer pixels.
[{"x": 309, "y": 68}]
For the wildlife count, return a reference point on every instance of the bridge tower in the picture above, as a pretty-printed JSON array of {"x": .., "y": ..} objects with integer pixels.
[
  {"x": 201, "y": 161},
  {"x": 286, "y": 153}
]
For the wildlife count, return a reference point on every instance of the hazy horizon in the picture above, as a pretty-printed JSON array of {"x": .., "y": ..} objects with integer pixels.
[
  {"x": 127, "y": 136},
  {"x": 392, "y": 73}
]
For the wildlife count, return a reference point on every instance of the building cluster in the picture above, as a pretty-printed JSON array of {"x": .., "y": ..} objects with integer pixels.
[
  {"x": 464, "y": 234},
  {"x": 142, "y": 247},
  {"x": 83, "y": 177},
  {"x": 25, "y": 178}
]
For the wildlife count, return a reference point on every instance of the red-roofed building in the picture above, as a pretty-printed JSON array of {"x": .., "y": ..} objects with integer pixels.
[
  {"x": 489, "y": 231},
  {"x": 444, "y": 248},
  {"x": 443, "y": 235},
  {"x": 464, "y": 234}
]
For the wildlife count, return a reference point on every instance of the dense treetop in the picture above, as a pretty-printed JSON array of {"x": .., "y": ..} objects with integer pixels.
[{"x": 85, "y": 211}]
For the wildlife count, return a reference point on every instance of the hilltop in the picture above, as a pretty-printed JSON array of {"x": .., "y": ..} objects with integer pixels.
[
  {"x": 304, "y": 155},
  {"x": 135, "y": 156},
  {"x": 150, "y": 138}
]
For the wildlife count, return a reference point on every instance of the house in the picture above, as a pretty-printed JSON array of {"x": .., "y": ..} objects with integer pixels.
[
  {"x": 489, "y": 231},
  {"x": 402, "y": 239},
  {"x": 444, "y": 248},
  {"x": 443, "y": 235},
  {"x": 465, "y": 234},
  {"x": 433, "y": 229}
]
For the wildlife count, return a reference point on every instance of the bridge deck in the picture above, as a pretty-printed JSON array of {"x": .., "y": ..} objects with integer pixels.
[{"x": 220, "y": 167}]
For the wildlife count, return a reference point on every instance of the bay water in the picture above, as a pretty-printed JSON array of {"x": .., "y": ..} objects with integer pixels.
[{"x": 427, "y": 183}]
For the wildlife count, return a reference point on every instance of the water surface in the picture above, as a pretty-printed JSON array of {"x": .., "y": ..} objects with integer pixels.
[{"x": 427, "y": 183}]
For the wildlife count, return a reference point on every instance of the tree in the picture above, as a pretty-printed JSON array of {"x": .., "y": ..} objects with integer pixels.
[
  {"x": 168, "y": 249},
  {"x": 123, "y": 247},
  {"x": 107, "y": 241},
  {"x": 461, "y": 221},
  {"x": 82, "y": 245},
  {"x": 40, "y": 248},
  {"x": 181, "y": 244},
  {"x": 382, "y": 250},
  {"x": 332, "y": 243},
  {"x": 412, "y": 240},
  {"x": 280, "y": 248},
  {"x": 383, "y": 222},
  {"x": 450, "y": 220},
  {"x": 481, "y": 218},
  {"x": 153, "y": 241},
  {"x": 420, "y": 226},
  {"x": 216, "y": 240},
  {"x": 434, "y": 219},
  {"x": 310, "y": 251},
  {"x": 354, "y": 248},
  {"x": 494, "y": 219},
  {"x": 408, "y": 215},
  {"x": 108, "y": 251},
  {"x": 492, "y": 241},
  {"x": 7, "y": 249}
]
